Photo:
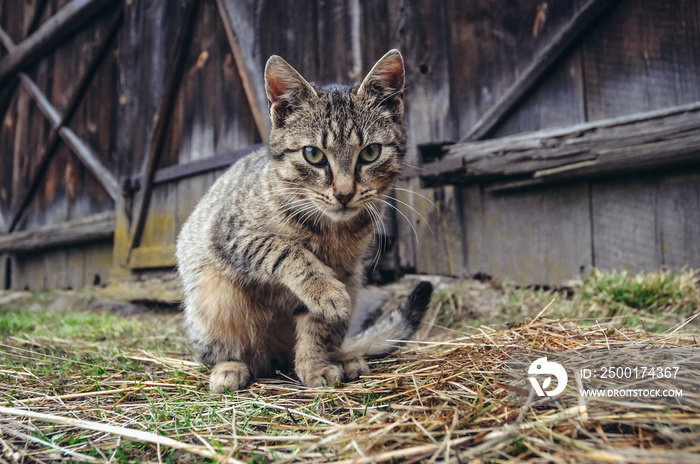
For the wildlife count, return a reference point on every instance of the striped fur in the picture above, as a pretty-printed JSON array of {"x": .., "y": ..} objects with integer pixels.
[{"x": 271, "y": 258}]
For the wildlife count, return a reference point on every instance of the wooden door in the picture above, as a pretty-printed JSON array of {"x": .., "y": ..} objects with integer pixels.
[{"x": 57, "y": 165}]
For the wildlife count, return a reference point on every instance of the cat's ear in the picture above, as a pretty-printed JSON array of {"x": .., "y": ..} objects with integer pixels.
[
  {"x": 386, "y": 79},
  {"x": 286, "y": 89}
]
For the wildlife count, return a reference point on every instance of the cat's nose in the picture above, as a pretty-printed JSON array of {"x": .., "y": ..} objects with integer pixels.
[{"x": 345, "y": 199}]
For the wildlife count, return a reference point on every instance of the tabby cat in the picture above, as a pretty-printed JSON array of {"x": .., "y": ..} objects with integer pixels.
[{"x": 272, "y": 257}]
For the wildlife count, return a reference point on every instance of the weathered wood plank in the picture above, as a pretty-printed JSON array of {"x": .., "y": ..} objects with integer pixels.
[
  {"x": 644, "y": 141},
  {"x": 79, "y": 148},
  {"x": 159, "y": 228},
  {"x": 188, "y": 193},
  {"x": 65, "y": 21},
  {"x": 678, "y": 216},
  {"x": 435, "y": 214},
  {"x": 239, "y": 21},
  {"x": 644, "y": 56},
  {"x": 418, "y": 29},
  {"x": 7, "y": 147},
  {"x": 548, "y": 56},
  {"x": 91, "y": 161},
  {"x": 146, "y": 46},
  {"x": 297, "y": 45},
  {"x": 96, "y": 227},
  {"x": 195, "y": 168},
  {"x": 97, "y": 263},
  {"x": 335, "y": 48},
  {"x": 150, "y": 165},
  {"x": 31, "y": 22},
  {"x": 211, "y": 114},
  {"x": 625, "y": 232},
  {"x": 5, "y": 276},
  {"x": 54, "y": 134},
  {"x": 557, "y": 100},
  {"x": 533, "y": 237}
]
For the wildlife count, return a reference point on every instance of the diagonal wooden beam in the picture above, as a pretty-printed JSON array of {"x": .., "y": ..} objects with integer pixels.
[
  {"x": 150, "y": 164},
  {"x": 238, "y": 22},
  {"x": 10, "y": 88},
  {"x": 548, "y": 56},
  {"x": 74, "y": 99},
  {"x": 48, "y": 36},
  {"x": 79, "y": 148}
]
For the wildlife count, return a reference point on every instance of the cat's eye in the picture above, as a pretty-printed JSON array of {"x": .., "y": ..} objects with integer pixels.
[
  {"x": 370, "y": 153},
  {"x": 314, "y": 156}
]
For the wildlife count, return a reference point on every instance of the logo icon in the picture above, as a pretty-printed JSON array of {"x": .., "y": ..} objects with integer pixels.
[{"x": 543, "y": 367}]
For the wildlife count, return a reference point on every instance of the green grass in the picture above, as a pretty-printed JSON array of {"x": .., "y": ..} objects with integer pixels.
[{"x": 656, "y": 301}]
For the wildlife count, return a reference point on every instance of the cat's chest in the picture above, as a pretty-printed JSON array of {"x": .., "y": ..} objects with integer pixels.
[{"x": 339, "y": 251}]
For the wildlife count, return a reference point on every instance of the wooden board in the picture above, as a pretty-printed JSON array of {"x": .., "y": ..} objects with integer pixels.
[
  {"x": 147, "y": 45},
  {"x": 417, "y": 29},
  {"x": 88, "y": 229},
  {"x": 8, "y": 131},
  {"x": 643, "y": 57},
  {"x": 625, "y": 233},
  {"x": 491, "y": 43},
  {"x": 558, "y": 101},
  {"x": 644, "y": 141},
  {"x": 68, "y": 268},
  {"x": 211, "y": 115},
  {"x": 678, "y": 217},
  {"x": 5, "y": 277},
  {"x": 429, "y": 226},
  {"x": 533, "y": 237},
  {"x": 294, "y": 38}
]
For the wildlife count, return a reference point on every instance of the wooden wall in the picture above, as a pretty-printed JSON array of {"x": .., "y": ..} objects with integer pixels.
[
  {"x": 640, "y": 56},
  {"x": 68, "y": 191},
  {"x": 168, "y": 106}
]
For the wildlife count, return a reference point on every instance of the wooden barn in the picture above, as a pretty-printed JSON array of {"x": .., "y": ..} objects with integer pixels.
[{"x": 552, "y": 135}]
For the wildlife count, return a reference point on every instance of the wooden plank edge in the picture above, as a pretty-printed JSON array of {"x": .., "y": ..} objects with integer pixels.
[
  {"x": 77, "y": 146},
  {"x": 240, "y": 32},
  {"x": 548, "y": 56},
  {"x": 193, "y": 168},
  {"x": 176, "y": 65},
  {"x": 450, "y": 168},
  {"x": 88, "y": 229},
  {"x": 73, "y": 101},
  {"x": 49, "y": 35}
]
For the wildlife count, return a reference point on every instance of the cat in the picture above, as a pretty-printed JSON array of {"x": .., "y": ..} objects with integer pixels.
[{"x": 271, "y": 259}]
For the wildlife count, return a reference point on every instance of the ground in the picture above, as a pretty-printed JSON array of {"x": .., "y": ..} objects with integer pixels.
[{"x": 84, "y": 380}]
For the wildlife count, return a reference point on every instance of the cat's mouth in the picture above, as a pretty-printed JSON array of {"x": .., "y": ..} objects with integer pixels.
[{"x": 343, "y": 212}]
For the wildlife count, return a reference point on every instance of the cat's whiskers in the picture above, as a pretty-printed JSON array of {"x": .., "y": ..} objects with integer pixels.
[
  {"x": 404, "y": 216},
  {"x": 379, "y": 229},
  {"x": 412, "y": 209},
  {"x": 301, "y": 214},
  {"x": 418, "y": 194}
]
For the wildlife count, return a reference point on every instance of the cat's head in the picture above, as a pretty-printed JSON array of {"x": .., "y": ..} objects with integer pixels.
[{"x": 336, "y": 149}]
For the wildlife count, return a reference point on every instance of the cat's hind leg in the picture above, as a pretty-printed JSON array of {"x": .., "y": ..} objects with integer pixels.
[
  {"x": 226, "y": 329},
  {"x": 229, "y": 376}
]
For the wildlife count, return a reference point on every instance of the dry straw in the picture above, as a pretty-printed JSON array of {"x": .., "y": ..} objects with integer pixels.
[{"x": 432, "y": 402}]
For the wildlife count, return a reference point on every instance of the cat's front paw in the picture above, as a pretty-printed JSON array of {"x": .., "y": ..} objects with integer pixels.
[
  {"x": 229, "y": 376},
  {"x": 319, "y": 374},
  {"x": 330, "y": 299}
]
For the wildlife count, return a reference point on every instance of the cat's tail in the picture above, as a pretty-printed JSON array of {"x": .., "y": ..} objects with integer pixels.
[{"x": 380, "y": 336}]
